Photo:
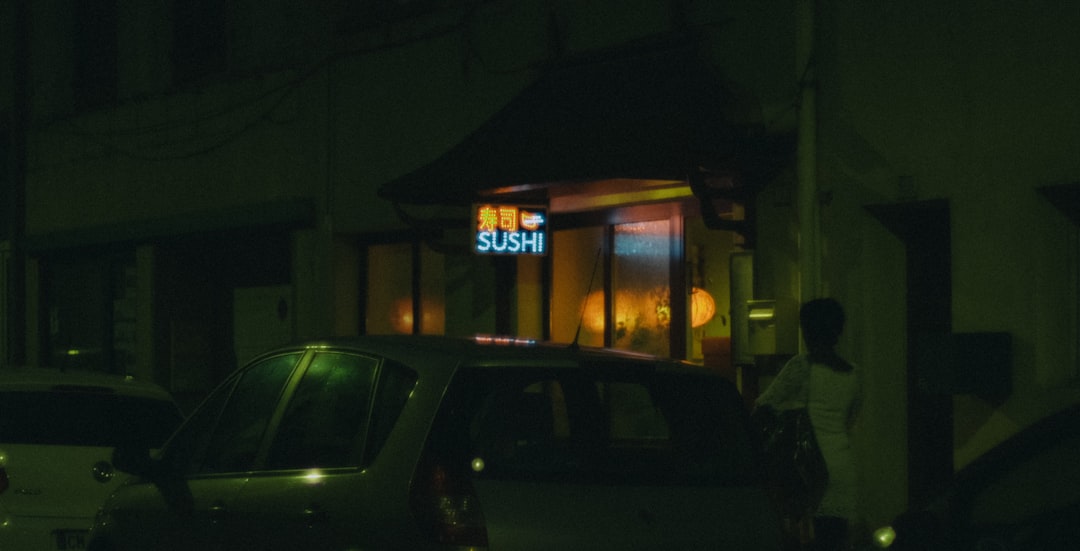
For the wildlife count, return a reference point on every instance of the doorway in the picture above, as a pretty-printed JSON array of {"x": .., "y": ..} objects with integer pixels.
[
  {"x": 924, "y": 228},
  {"x": 648, "y": 279}
]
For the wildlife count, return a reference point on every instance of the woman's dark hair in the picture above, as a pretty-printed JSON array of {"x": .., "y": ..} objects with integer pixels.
[{"x": 822, "y": 321}]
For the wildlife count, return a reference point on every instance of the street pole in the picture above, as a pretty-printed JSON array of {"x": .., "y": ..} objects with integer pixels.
[{"x": 806, "y": 157}]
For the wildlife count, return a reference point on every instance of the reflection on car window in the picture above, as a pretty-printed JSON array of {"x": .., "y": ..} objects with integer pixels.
[
  {"x": 74, "y": 418},
  {"x": 239, "y": 431},
  {"x": 605, "y": 423},
  {"x": 323, "y": 425}
]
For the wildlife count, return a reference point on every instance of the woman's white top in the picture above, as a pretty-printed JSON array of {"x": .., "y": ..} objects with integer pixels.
[{"x": 832, "y": 398}]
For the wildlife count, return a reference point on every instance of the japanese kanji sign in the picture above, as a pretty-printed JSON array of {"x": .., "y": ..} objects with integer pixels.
[{"x": 510, "y": 229}]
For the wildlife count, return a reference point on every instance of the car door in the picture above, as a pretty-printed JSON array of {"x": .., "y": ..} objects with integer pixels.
[
  {"x": 616, "y": 457},
  {"x": 207, "y": 463},
  {"x": 311, "y": 490}
]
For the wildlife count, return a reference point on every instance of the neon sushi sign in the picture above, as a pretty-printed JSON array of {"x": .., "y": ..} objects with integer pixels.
[{"x": 510, "y": 229}]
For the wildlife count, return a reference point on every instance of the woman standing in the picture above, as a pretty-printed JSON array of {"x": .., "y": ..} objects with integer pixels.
[{"x": 829, "y": 387}]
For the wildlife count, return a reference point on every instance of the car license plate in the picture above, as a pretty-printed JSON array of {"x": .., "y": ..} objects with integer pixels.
[{"x": 70, "y": 539}]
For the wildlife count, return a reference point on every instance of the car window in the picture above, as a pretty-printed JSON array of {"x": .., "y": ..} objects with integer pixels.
[
  {"x": 635, "y": 416},
  {"x": 235, "y": 437},
  {"x": 324, "y": 422},
  {"x": 394, "y": 387},
  {"x": 85, "y": 418},
  {"x": 602, "y": 424},
  {"x": 1046, "y": 481}
]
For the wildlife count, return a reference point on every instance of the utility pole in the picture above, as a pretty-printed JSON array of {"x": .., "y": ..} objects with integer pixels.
[{"x": 806, "y": 157}]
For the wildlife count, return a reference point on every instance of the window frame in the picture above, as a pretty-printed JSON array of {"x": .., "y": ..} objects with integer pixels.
[{"x": 420, "y": 266}]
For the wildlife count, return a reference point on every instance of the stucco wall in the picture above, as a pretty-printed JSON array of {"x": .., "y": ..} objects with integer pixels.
[{"x": 973, "y": 103}]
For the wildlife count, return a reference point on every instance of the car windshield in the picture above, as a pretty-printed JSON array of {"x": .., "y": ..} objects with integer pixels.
[
  {"x": 79, "y": 418},
  {"x": 607, "y": 423}
]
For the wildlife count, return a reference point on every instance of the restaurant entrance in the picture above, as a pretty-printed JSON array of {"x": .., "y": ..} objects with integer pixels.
[{"x": 649, "y": 278}]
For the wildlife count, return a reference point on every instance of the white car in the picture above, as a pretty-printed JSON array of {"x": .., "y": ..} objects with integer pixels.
[{"x": 57, "y": 434}]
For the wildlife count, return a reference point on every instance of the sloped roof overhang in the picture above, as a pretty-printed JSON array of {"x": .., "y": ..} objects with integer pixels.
[{"x": 655, "y": 111}]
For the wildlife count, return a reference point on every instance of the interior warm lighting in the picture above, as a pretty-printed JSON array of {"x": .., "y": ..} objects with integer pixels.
[
  {"x": 575, "y": 197},
  {"x": 702, "y": 307},
  {"x": 401, "y": 316},
  {"x": 593, "y": 317},
  {"x": 629, "y": 307}
]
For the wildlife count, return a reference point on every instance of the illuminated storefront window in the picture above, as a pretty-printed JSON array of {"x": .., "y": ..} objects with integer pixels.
[
  {"x": 393, "y": 271},
  {"x": 612, "y": 285},
  {"x": 643, "y": 277}
]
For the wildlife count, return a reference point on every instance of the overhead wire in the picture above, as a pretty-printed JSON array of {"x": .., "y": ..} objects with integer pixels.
[{"x": 113, "y": 137}]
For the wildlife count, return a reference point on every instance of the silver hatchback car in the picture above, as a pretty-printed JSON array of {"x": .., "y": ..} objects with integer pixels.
[{"x": 440, "y": 443}]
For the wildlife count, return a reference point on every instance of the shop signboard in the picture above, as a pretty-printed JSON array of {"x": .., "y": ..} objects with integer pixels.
[{"x": 510, "y": 229}]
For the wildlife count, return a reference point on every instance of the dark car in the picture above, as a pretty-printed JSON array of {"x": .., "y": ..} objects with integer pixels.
[
  {"x": 1024, "y": 494},
  {"x": 440, "y": 443}
]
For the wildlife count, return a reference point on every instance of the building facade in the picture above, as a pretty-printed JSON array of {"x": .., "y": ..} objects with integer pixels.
[{"x": 201, "y": 184}]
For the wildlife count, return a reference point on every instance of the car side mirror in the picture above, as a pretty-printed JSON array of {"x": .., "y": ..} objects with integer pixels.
[{"x": 133, "y": 459}]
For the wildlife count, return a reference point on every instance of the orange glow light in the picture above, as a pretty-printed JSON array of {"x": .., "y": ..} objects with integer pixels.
[
  {"x": 431, "y": 321},
  {"x": 702, "y": 307}
]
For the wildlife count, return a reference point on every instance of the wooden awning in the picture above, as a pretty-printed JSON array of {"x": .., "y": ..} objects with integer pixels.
[{"x": 653, "y": 111}]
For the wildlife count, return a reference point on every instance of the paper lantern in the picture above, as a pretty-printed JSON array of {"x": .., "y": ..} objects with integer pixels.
[
  {"x": 628, "y": 307},
  {"x": 702, "y": 307}
]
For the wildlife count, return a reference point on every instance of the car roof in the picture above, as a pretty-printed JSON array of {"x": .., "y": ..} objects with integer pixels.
[
  {"x": 478, "y": 350},
  {"x": 29, "y": 379}
]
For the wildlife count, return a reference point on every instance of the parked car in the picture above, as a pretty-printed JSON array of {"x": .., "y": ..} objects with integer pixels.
[
  {"x": 420, "y": 442},
  {"x": 57, "y": 434},
  {"x": 1024, "y": 494}
]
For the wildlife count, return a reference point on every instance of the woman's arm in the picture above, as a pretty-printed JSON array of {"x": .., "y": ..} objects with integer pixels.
[{"x": 789, "y": 385}]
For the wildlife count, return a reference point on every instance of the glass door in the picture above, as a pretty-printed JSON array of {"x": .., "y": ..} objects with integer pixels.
[
  {"x": 611, "y": 284},
  {"x": 641, "y": 286}
]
